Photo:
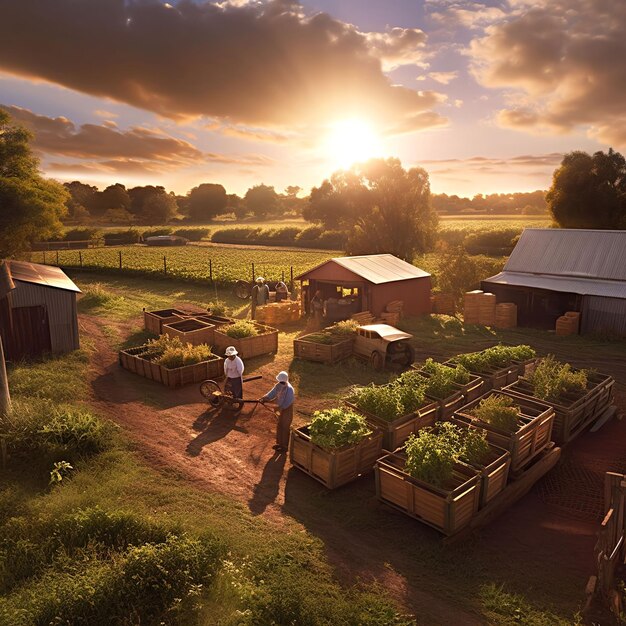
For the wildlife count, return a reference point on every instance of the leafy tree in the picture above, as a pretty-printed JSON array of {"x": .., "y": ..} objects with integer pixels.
[
  {"x": 261, "y": 200},
  {"x": 113, "y": 197},
  {"x": 81, "y": 198},
  {"x": 589, "y": 191},
  {"x": 292, "y": 191},
  {"x": 30, "y": 206},
  {"x": 384, "y": 207},
  {"x": 205, "y": 201},
  {"x": 139, "y": 195},
  {"x": 159, "y": 208}
]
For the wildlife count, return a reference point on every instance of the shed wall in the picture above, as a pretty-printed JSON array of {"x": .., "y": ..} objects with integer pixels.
[
  {"x": 415, "y": 294},
  {"x": 604, "y": 315},
  {"x": 62, "y": 312}
]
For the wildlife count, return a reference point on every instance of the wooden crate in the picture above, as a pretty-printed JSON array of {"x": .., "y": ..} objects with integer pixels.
[
  {"x": 397, "y": 431},
  {"x": 303, "y": 348},
  {"x": 191, "y": 330},
  {"x": 447, "y": 406},
  {"x": 153, "y": 320},
  {"x": 335, "y": 467},
  {"x": 494, "y": 473},
  {"x": 577, "y": 410},
  {"x": 533, "y": 435},
  {"x": 447, "y": 510},
  {"x": 495, "y": 378},
  {"x": 264, "y": 343}
]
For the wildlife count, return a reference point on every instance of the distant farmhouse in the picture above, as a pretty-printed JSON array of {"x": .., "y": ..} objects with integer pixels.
[
  {"x": 37, "y": 310},
  {"x": 555, "y": 270}
]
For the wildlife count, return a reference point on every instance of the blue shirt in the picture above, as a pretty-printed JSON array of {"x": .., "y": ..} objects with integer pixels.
[{"x": 284, "y": 395}]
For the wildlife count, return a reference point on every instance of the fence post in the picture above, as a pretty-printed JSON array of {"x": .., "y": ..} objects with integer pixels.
[
  {"x": 283, "y": 277},
  {"x": 210, "y": 270},
  {"x": 44, "y": 257},
  {"x": 253, "y": 272},
  {"x": 57, "y": 257},
  {"x": 291, "y": 281},
  {"x": 120, "y": 253},
  {"x": 164, "y": 264},
  {"x": 80, "y": 257}
]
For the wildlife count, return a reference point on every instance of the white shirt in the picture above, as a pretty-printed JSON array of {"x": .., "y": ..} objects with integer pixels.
[{"x": 233, "y": 368}]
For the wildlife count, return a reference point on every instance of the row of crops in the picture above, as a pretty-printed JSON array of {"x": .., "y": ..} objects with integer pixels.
[{"x": 223, "y": 265}]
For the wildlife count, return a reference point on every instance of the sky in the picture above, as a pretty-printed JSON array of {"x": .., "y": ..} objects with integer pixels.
[{"x": 486, "y": 96}]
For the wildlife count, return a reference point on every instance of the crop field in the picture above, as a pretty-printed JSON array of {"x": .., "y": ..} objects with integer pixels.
[
  {"x": 481, "y": 223},
  {"x": 228, "y": 264}
]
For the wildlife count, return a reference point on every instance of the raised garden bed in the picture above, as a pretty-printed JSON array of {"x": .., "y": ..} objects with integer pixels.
[
  {"x": 214, "y": 320},
  {"x": 153, "y": 320},
  {"x": 265, "y": 342},
  {"x": 334, "y": 468},
  {"x": 575, "y": 410},
  {"x": 533, "y": 433},
  {"x": 447, "y": 509},
  {"x": 493, "y": 378},
  {"x": 306, "y": 348},
  {"x": 190, "y": 330}
]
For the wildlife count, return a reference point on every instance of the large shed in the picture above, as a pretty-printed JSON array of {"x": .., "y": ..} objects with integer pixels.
[
  {"x": 554, "y": 270},
  {"x": 37, "y": 310},
  {"x": 353, "y": 284}
]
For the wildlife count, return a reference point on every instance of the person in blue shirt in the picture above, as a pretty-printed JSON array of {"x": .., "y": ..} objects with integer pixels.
[{"x": 283, "y": 395}]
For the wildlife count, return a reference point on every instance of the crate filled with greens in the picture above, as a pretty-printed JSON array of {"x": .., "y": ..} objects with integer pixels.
[
  {"x": 249, "y": 338},
  {"x": 497, "y": 366},
  {"x": 337, "y": 446},
  {"x": 578, "y": 396},
  {"x": 430, "y": 480},
  {"x": 523, "y": 426},
  {"x": 171, "y": 362},
  {"x": 329, "y": 345},
  {"x": 399, "y": 408}
]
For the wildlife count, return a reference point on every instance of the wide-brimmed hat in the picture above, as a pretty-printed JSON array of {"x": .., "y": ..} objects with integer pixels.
[
  {"x": 282, "y": 377},
  {"x": 260, "y": 279},
  {"x": 231, "y": 351}
]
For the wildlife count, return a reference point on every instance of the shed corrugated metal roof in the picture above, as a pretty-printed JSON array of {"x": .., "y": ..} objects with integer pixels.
[
  {"x": 6, "y": 282},
  {"x": 376, "y": 268},
  {"x": 578, "y": 253},
  {"x": 582, "y": 286},
  {"x": 46, "y": 275}
]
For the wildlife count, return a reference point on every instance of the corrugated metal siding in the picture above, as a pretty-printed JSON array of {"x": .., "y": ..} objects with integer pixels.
[
  {"x": 61, "y": 307},
  {"x": 571, "y": 252},
  {"x": 604, "y": 315}
]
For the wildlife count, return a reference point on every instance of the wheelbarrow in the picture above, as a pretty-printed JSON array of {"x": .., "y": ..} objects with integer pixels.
[{"x": 220, "y": 398}]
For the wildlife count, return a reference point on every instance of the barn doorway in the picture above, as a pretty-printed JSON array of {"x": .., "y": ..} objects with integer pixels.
[{"x": 31, "y": 332}]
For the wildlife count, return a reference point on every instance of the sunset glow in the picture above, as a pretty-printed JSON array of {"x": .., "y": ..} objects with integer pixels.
[{"x": 349, "y": 141}]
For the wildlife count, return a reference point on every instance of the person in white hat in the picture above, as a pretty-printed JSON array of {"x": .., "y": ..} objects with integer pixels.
[
  {"x": 283, "y": 395},
  {"x": 233, "y": 370},
  {"x": 260, "y": 295}
]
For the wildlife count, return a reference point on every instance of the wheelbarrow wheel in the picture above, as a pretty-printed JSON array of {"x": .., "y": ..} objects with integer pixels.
[
  {"x": 207, "y": 388},
  {"x": 242, "y": 289}
]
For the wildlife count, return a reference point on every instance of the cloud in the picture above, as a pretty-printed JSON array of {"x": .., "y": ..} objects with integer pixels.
[
  {"x": 566, "y": 59},
  {"x": 398, "y": 46},
  {"x": 259, "y": 64},
  {"x": 105, "y": 114},
  {"x": 470, "y": 15}
]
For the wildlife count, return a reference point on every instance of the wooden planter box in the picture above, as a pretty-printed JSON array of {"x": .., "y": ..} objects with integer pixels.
[
  {"x": 190, "y": 330},
  {"x": 214, "y": 320},
  {"x": 153, "y": 320},
  {"x": 397, "y": 431},
  {"x": 575, "y": 411},
  {"x": 470, "y": 391},
  {"x": 533, "y": 435},
  {"x": 494, "y": 378},
  {"x": 303, "y": 348},
  {"x": 248, "y": 347},
  {"x": 494, "y": 474},
  {"x": 336, "y": 467},
  {"x": 178, "y": 377},
  {"x": 447, "y": 510}
]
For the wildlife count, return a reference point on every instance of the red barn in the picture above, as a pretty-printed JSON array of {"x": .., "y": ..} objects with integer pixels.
[{"x": 353, "y": 284}]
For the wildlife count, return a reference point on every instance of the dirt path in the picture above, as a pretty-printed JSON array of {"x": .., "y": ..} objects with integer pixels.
[{"x": 364, "y": 541}]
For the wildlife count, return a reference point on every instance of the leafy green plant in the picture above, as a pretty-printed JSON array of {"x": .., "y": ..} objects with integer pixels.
[
  {"x": 498, "y": 411},
  {"x": 177, "y": 354},
  {"x": 335, "y": 333},
  {"x": 59, "y": 470},
  {"x": 217, "y": 307},
  {"x": 552, "y": 380},
  {"x": 338, "y": 427},
  {"x": 460, "y": 374},
  {"x": 240, "y": 329},
  {"x": 496, "y": 357}
]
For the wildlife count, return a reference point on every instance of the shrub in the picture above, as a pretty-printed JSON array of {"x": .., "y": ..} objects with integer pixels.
[
  {"x": 177, "y": 354},
  {"x": 156, "y": 232},
  {"x": 116, "y": 238},
  {"x": 193, "y": 234},
  {"x": 218, "y": 307},
  {"x": 335, "y": 428},
  {"x": 235, "y": 235},
  {"x": 96, "y": 295},
  {"x": 240, "y": 329},
  {"x": 493, "y": 242},
  {"x": 335, "y": 333},
  {"x": 552, "y": 380},
  {"x": 82, "y": 234},
  {"x": 498, "y": 411},
  {"x": 496, "y": 357}
]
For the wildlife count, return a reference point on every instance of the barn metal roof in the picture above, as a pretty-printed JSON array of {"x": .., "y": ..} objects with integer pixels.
[
  {"x": 577, "y": 253},
  {"x": 376, "y": 268},
  {"x": 582, "y": 286},
  {"x": 46, "y": 275}
]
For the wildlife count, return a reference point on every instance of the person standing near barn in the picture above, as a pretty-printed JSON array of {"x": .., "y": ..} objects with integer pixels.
[
  {"x": 233, "y": 370},
  {"x": 260, "y": 295},
  {"x": 281, "y": 291},
  {"x": 283, "y": 395}
]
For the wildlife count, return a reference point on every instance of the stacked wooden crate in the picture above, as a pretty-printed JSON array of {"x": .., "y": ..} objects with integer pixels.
[
  {"x": 278, "y": 312},
  {"x": 471, "y": 306},
  {"x": 568, "y": 324},
  {"x": 506, "y": 315},
  {"x": 392, "y": 313},
  {"x": 487, "y": 309},
  {"x": 363, "y": 318},
  {"x": 443, "y": 303}
]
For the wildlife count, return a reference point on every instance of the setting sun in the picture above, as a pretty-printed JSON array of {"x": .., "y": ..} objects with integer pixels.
[{"x": 349, "y": 141}]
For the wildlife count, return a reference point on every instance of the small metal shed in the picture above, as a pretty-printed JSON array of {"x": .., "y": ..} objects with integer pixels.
[
  {"x": 37, "y": 310},
  {"x": 366, "y": 283},
  {"x": 554, "y": 270}
]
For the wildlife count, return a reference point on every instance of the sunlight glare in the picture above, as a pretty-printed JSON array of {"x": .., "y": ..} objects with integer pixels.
[{"x": 350, "y": 141}]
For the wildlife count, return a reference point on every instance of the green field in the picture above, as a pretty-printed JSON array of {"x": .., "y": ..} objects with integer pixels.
[{"x": 478, "y": 223}]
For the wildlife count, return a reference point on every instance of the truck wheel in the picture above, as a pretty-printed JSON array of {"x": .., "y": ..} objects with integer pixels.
[
  {"x": 377, "y": 360},
  {"x": 409, "y": 355}
]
